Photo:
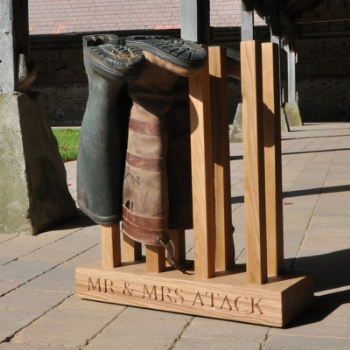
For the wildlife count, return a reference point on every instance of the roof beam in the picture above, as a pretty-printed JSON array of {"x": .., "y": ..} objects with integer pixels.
[
  {"x": 283, "y": 15},
  {"x": 324, "y": 16}
]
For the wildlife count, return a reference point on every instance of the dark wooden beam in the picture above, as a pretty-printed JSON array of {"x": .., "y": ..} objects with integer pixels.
[
  {"x": 248, "y": 5},
  {"x": 195, "y": 21},
  {"x": 284, "y": 18},
  {"x": 324, "y": 16},
  {"x": 14, "y": 39}
]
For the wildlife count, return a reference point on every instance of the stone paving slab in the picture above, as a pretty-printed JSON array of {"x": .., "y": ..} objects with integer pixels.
[
  {"x": 14, "y": 346},
  {"x": 24, "y": 270},
  {"x": 62, "y": 280},
  {"x": 11, "y": 321},
  {"x": 215, "y": 344},
  {"x": 69, "y": 326},
  {"x": 305, "y": 343},
  {"x": 155, "y": 330},
  {"x": 40, "y": 311},
  {"x": 21, "y": 299},
  {"x": 7, "y": 286}
]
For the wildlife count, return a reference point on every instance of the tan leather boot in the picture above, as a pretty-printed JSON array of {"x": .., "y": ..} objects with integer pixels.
[{"x": 145, "y": 196}]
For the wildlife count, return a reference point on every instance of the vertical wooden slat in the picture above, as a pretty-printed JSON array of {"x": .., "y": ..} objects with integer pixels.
[
  {"x": 132, "y": 250},
  {"x": 110, "y": 243},
  {"x": 202, "y": 175},
  {"x": 272, "y": 157},
  {"x": 178, "y": 238},
  {"x": 253, "y": 154},
  {"x": 155, "y": 259},
  {"x": 224, "y": 257}
]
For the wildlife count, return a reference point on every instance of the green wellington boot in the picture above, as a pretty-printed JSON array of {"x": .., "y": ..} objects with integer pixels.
[
  {"x": 145, "y": 193},
  {"x": 103, "y": 139}
]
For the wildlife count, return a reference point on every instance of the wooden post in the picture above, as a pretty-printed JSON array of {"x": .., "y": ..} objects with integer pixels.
[
  {"x": 132, "y": 250},
  {"x": 253, "y": 154},
  {"x": 195, "y": 21},
  {"x": 291, "y": 75},
  {"x": 14, "y": 38},
  {"x": 273, "y": 158},
  {"x": 224, "y": 257},
  {"x": 110, "y": 243},
  {"x": 178, "y": 238},
  {"x": 202, "y": 175},
  {"x": 155, "y": 259},
  {"x": 247, "y": 21}
]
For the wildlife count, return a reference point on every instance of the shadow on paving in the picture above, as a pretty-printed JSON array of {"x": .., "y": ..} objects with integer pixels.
[
  {"x": 331, "y": 271},
  {"x": 317, "y": 151},
  {"x": 81, "y": 221},
  {"x": 311, "y": 137},
  {"x": 299, "y": 193}
]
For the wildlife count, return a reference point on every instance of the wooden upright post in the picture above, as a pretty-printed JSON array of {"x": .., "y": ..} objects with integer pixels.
[
  {"x": 110, "y": 243},
  {"x": 202, "y": 175},
  {"x": 253, "y": 154},
  {"x": 155, "y": 259},
  {"x": 132, "y": 250},
  {"x": 224, "y": 257},
  {"x": 272, "y": 157}
]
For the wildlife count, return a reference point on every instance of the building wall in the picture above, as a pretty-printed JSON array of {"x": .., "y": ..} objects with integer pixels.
[
  {"x": 323, "y": 76},
  {"x": 323, "y": 79},
  {"x": 61, "y": 79}
]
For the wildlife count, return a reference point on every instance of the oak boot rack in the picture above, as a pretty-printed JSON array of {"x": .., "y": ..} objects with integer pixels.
[{"x": 260, "y": 292}]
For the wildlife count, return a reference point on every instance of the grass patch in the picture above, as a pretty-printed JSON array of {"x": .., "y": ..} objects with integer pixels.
[{"x": 68, "y": 143}]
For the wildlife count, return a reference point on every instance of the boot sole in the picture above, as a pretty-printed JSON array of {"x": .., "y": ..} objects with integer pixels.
[
  {"x": 183, "y": 53},
  {"x": 117, "y": 62}
]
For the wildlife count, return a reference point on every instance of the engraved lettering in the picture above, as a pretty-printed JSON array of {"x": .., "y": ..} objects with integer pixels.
[
  {"x": 167, "y": 294},
  {"x": 94, "y": 286},
  {"x": 145, "y": 290},
  {"x": 236, "y": 304},
  {"x": 127, "y": 291},
  {"x": 198, "y": 296},
  {"x": 256, "y": 305},
  {"x": 110, "y": 286},
  {"x": 228, "y": 303},
  {"x": 211, "y": 298},
  {"x": 177, "y": 290}
]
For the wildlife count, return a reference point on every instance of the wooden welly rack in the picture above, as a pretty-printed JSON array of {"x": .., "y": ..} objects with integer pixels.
[{"x": 261, "y": 292}]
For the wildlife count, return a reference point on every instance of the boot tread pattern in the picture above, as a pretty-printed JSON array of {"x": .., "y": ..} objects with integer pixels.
[{"x": 181, "y": 52}]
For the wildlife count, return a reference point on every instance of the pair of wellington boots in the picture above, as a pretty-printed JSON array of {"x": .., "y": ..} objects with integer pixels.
[{"x": 141, "y": 192}]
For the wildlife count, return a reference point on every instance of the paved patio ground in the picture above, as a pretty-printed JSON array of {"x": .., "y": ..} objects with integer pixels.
[{"x": 40, "y": 311}]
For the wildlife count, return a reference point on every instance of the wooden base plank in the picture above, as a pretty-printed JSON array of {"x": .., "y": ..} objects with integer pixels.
[
  {"x": 110, "y": 243},
  {"x": 227, "y": 295}
]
